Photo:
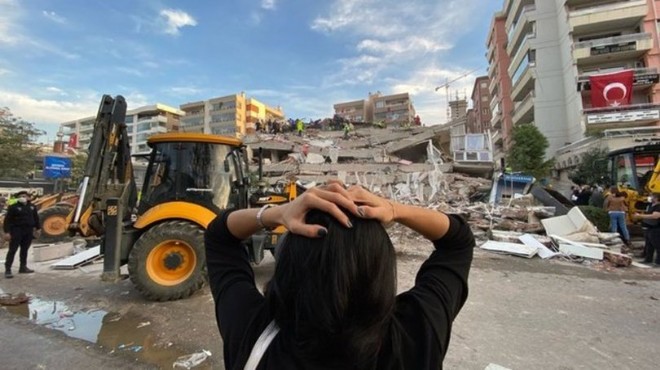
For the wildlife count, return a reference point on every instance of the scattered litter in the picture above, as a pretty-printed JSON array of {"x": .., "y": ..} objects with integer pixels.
[
  {"x": 510, "y": 248},
  {"x": 190, "y": 361},
  {"x": 143, "y": 324},
  {"x": 78, "y": 259}
]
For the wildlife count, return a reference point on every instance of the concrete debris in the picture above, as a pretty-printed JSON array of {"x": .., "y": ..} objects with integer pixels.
[
  {"x": 581, "y": 251},
  {"x": 521, "y": 250},
  {"x": 413, "y": 166}
]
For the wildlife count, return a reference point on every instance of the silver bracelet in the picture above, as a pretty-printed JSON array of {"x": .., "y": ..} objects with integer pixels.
[{"x": 260, "y": 222}]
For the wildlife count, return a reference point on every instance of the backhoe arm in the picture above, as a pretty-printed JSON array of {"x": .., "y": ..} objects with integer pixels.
[{"x": 108, "y": 170}]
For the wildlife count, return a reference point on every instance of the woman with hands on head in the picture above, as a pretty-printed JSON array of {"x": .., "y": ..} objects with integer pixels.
[{"x": 332, "y": 301}]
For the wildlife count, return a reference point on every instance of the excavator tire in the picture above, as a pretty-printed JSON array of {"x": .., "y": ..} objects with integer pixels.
[
  {"x": 53, "y": 223},
  {"x": 168, "y": 261}
]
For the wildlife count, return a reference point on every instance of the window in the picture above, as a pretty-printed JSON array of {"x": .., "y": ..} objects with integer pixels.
[
  {"x": 484, "y": 84},
  {"x": 484, "y": 98},
  {"x": 485, "y": 111},
  {"x": 380, "y": 104}
]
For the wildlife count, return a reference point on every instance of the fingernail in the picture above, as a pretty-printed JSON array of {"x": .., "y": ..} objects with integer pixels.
[
  {"x": 349, "y": 224},
  {"x": 360, "y": 211},
  {"x": 322, "y": 232}
]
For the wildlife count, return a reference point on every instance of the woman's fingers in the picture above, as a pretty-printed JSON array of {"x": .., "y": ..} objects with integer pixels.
[{"x": 310, "y": 231}]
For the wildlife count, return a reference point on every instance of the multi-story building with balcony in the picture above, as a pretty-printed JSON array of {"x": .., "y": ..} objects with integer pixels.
[
  {"x": 394, "y": 109},
  {"x": 141, "y": 123},
  {"x": 234, "y": 115},
  {"x": 482, "y": 115},
  {"x": 554, "y": 47},
  {"x": 499, "y": 87}
]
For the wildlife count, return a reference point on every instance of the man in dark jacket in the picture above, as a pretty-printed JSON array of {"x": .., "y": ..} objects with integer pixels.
[{"x": 20, "y": 227}]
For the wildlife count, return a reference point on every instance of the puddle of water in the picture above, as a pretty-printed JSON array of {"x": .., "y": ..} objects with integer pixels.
[{"x": 115, "y": 333}]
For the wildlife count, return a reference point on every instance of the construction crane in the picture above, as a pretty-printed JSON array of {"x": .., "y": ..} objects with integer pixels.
[{"x": 446, "y": 87}]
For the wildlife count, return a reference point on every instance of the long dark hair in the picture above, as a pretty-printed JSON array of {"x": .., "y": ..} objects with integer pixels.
[{"x": 333, "y": 297}]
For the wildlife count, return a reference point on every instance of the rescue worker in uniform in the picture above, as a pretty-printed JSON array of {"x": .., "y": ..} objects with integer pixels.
[{"x": 20, "y": 227}]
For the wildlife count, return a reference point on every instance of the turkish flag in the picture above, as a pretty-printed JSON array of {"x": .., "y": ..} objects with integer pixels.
[
  {"x": 611, "y": 89},
  {"x": 73, "y": 141}
]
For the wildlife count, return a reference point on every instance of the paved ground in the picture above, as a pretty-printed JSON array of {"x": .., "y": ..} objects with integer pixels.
[{"x": 521, "y": 314}]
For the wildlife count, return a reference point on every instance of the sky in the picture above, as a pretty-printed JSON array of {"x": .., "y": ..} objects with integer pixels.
[{"x": 58, "y": 57}]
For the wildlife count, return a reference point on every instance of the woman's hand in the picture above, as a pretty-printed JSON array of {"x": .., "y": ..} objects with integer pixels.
[
  {"x": 372, "y": 206},
  {"x": 327, "y": 198}
]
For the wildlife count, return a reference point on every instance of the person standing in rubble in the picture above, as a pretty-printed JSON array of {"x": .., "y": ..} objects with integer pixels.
[
  {"x": 617, "y": 206},
  {"x": 347, "y": 130},
  {"x": 21, "y": 226},
  {"x": 332, "y": 301},
  {"x": 299, "y": 126}
]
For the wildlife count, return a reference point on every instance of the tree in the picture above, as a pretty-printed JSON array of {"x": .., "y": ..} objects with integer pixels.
[
  {"x": 17, "y": 145},
  {"x": 78, "y": 167},
  {"x": 592, "y": 168},
  {"x": 528, "y": 151}
]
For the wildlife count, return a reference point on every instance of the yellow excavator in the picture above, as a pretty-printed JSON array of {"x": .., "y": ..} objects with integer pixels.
[
  {"x": 189, "y": 179},
  {"x": 636, "y": 171}
]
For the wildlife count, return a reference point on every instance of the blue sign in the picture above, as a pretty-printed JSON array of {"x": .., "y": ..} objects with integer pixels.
[{"x": 57, "y": 167}]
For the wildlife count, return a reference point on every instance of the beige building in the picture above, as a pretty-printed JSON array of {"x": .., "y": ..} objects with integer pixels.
[
  {"x": 389, "y": 109},
  {"x": 553, "y": 48},
  {"x": 141, "y": 123},
  {"x": 234, "y": 115}
]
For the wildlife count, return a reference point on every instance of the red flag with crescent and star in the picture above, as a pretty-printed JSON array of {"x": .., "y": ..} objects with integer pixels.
[{"x": 611, "y": 89}]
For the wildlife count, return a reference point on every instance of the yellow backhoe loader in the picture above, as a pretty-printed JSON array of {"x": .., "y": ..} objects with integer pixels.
[{"x": 189, "y": 179}]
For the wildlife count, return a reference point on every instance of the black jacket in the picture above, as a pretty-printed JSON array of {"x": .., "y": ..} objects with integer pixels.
[
  {"x": 419, "y": 333},
  {"x": 21, "y": 215}
]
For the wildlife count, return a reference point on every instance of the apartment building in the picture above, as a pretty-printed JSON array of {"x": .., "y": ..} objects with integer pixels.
[
  {"x": 141, "y": 123},
  {"x": 555, "y": 47},
  {"x": 234, "y": 115},
  {"x": 479, "y": 119},
  {"x": 499, "y": 87},
  {"x": 396, "y": 109},
  {"x": 356, "y": 111}
]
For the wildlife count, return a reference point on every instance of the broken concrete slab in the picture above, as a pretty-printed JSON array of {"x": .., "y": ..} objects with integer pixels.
[
  {"x": 543, "y": 251},
  {"x": 581, "y": 251},
  {"x": 47, "y": 252},
  {"x": 570, "y": 225},
  {"x": 78, "y": 259},
  {"x": 521, "y": 250},
  {"x": 618, "y": 259}
]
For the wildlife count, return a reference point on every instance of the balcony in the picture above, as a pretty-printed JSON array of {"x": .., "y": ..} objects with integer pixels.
[
  {"x": 496, "y": 121},
  {"x": 620, "y": 15},
  {"x": 644, "y": 77},
  {"x": 497, "y": 138},
  {"x": 522, "y": 53},
  {"x": 524, "y": 110},
  {"x": 493, "y": 86},
  {"x": 625, "y": 116},
  {"x": 524, "y": 84},
  {"x": 629, "y": 46},
  {"x": 515, "y": 9},
  {"x": 524, "y": 26}
]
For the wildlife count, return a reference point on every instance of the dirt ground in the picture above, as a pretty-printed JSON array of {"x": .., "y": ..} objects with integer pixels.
[{"x": 521, "y": 314}]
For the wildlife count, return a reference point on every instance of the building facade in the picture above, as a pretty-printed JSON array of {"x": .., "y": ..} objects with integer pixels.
[
  {"x": 396, "y": 109},
  {"x": 141, "y": 123},
  {"x": 556, "y": 46},
  {"x": 235, "y": 115},
  {"x": 480, "y": 106},
  {"x": 501, "y": 105}
]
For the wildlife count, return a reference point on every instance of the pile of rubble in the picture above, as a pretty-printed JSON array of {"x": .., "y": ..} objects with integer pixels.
[{"x": 410, "y": 166}]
